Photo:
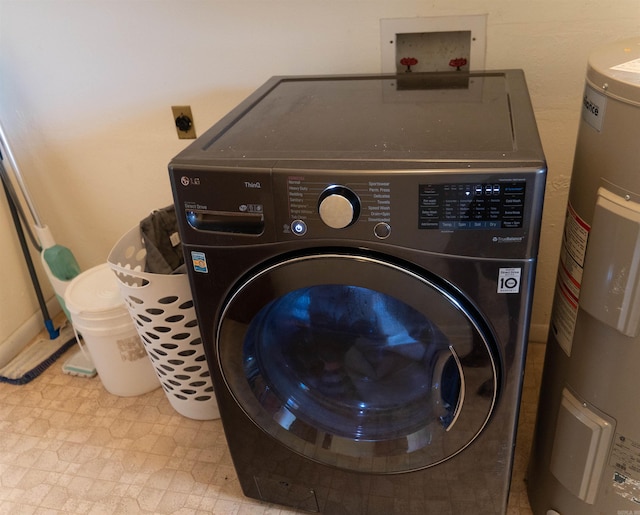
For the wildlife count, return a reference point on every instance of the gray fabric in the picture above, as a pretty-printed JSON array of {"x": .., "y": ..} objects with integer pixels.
[{"x": 161, "y": 241}]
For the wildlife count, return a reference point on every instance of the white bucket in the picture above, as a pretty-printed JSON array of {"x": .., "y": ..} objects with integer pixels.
[{"x": 98, "y": 313}]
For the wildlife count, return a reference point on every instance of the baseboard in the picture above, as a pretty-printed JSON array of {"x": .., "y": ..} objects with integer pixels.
[
  {"x": 27, "y": 332},
  {"x": 538, "y": 333}
]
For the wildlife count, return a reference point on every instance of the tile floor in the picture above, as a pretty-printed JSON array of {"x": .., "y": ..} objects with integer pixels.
[{"x": 68, "y": 446}]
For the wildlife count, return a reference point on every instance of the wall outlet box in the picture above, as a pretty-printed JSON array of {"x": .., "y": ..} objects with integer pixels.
[
  {"x": 183, "y": 120},
  {"x": 437, "y": 44}
]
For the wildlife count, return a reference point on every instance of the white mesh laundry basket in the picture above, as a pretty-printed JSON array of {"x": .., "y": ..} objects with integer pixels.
[{"x": 161, "y": 307}]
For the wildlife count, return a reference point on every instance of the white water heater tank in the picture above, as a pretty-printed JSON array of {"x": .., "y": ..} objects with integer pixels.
[{"x": 585, "y": 457}]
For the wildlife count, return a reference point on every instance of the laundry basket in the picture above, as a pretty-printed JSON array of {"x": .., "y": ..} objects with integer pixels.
[{"x": 161, "y": 307}]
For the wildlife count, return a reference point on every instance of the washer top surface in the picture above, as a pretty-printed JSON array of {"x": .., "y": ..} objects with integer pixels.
[{"x": 411, "y": 116}]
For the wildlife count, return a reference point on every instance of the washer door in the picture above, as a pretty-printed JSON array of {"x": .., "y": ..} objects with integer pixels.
[{"x": 359, "y": 363}]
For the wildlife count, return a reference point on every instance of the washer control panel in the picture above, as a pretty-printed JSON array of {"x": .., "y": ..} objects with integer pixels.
[
  {"x": 441, "y": 210},
  {"x": 339, "y": 204},
  {"x": 472, "y": 206},
  {"x": 441, "y": 206},
  {"x": 438, "y": 210}
]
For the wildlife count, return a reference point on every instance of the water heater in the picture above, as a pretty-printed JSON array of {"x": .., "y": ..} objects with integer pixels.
[{"x": 585, "y": 458}]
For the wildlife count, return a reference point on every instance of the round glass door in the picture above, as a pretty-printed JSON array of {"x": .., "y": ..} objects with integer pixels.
[{"x": 357, "y": 362}]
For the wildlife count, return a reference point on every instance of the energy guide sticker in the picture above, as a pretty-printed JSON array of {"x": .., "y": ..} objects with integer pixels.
[{"x": 199, "y": 261}]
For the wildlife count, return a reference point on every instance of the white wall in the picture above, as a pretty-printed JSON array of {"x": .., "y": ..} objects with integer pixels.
[{"x": 86, "y": 89}]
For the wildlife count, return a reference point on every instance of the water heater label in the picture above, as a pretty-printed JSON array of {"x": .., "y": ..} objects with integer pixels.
[
  {"x": 629, "y": 67},
  {"x": 569, "y": 279},
  {"x": 625, "y": 460},
  {"x": 593, "y": 107}
]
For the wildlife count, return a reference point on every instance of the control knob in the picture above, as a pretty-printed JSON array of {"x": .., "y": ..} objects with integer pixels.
[{"x": 338, "y": 207}]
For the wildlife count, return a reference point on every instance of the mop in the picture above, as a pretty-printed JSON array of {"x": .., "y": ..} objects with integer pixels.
[{"x": 59, "y": 263}]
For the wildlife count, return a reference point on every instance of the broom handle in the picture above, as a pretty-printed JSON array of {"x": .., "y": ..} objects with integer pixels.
[
  {"x": 16, "y": 170},
  {"x": 13, "y": 209}
]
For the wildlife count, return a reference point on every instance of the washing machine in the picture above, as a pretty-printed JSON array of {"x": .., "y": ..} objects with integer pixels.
[{"x": 362, "y": 251}]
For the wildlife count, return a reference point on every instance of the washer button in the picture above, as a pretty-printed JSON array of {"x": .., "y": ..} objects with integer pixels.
[
  {"x": 382, "y": 230},
  {"x": 298, "y": 227}
]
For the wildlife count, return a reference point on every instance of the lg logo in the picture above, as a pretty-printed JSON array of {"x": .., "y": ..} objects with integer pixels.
[{"x": 186, "y": 181}]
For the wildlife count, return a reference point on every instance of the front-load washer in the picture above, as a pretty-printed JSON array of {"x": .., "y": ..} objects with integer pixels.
[{"x": 361, "y": 251}]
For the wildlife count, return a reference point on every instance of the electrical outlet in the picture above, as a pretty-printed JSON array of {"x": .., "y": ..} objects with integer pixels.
[
  {"x": 444, "y": 43},
  {"x": 183, "y": 120}
]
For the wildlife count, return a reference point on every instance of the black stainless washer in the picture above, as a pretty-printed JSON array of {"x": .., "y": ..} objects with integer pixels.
[{"x": 361, "y": 251}]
